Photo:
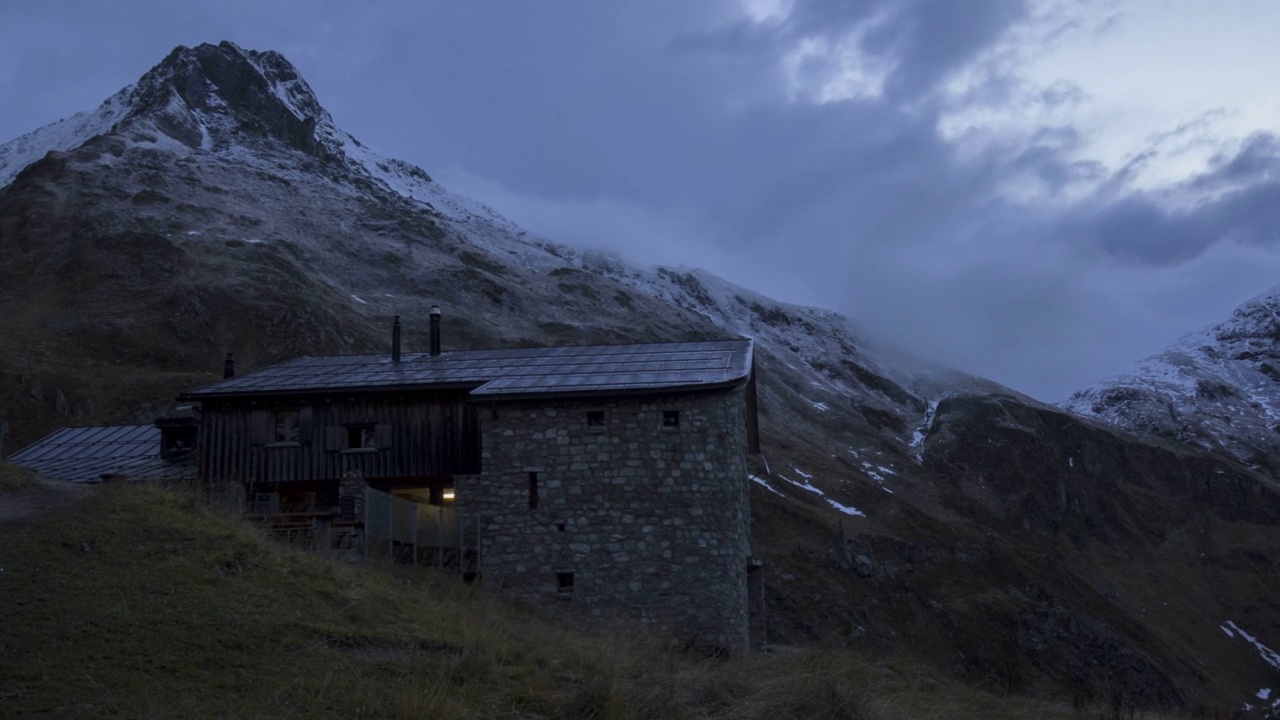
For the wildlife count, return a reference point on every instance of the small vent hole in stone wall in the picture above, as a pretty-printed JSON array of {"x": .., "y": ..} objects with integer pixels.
[
  {"x": 564, "y": 582},
  {"x": 560, "y": 527},
  {"x": 595, "y": 419},
  {"x": 533, "y": 491},
  {"x": 670, "y": 419}
]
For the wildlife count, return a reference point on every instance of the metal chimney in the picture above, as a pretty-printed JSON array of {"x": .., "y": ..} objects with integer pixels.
[
  {"x": 395, "y": 340},
  {"x": 228, "y": 367},
  {"x": 435, "y": 330}
]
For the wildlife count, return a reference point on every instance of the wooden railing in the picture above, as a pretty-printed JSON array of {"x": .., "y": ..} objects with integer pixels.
[
  {"x": 319, "y": 530},
  {"x": 394, "y": 528}
]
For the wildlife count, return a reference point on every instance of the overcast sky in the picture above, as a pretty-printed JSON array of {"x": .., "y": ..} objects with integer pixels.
[{"x": 1038, "y": 192}]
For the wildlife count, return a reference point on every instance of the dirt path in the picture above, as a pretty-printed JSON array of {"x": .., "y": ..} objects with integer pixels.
[{"x": 20, "y": 505}]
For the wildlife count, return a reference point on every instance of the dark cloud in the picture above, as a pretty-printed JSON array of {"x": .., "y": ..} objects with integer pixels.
[
  {"x": 938, "y": 36},
  {"x": 1238, "y": 201},
  {"x": 1258, "y": 161},
  {"x": 1136, "y": 229},
  {"x": 925, "y": 39}
]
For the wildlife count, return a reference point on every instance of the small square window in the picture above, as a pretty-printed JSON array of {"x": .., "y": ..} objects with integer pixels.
[
  {"x": 360, "y": 436},
  {"x": 670, "y": 419},
  {"x": 288, "y": 426},
  {"x": 564, "y": 582},
  {"x": 595, "y": 419}
]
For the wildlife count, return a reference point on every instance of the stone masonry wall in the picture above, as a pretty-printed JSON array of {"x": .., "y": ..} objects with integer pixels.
[{"x": 653, "y": 522}]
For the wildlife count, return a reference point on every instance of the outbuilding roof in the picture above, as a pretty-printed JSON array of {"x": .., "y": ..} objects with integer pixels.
[
  {"x": 513, "y": 373},
  {"x": 86, "y": 454}
]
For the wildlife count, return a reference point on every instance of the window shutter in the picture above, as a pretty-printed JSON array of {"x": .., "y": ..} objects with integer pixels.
[
  {"x": 262, "y": 425},
  {"x": 304, "y": 424},
  {"x": 335, "y": 438}
]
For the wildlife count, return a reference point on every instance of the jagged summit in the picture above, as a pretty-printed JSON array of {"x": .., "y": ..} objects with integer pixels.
[
  {"x": 1218, "y": 387},
  {"x": 245, "y": 107},
  {"x": 218, "y": 99},
  {"x": 261, "y": 93}
]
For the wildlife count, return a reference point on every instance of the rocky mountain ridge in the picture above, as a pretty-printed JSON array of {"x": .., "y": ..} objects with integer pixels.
[
  {"x": 1218, "y": 388},
  {"x": 900, "y": 507}
]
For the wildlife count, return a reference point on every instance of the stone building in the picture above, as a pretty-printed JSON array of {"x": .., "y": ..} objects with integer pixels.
[
  {"x": 625, "y": 507},
  {"x": 603, "y": 483}
]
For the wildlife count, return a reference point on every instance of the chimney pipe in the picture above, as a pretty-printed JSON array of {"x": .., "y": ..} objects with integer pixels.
[
  {"x": 395, "y": 340},
  {"x": 435, "y": 330},
  {"x": 228, "y": 367}
]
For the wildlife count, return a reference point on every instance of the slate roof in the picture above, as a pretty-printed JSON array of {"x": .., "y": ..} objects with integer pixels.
[
  {"x": 514, "y": 373},
  {"x": 85, "y": 454}
]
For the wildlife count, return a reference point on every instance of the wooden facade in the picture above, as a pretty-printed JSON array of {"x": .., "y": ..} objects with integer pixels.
[{"x": 392, "y": 439}]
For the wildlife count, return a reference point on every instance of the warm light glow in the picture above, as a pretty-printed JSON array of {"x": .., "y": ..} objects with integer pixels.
[{"x": 448, "y": 494}]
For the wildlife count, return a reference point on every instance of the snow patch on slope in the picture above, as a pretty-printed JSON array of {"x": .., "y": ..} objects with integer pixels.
[
  {"x": 846, "y": 509},
  {"x": 765, "y": 484},
  {"x": 1269, "y": 656},
  {"x": 802, "y": 485},
  {"x": 922, "y": 432}
]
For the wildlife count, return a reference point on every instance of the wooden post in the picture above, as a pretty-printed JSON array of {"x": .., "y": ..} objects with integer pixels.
[
  {"x": 764, "y": 621},
  {"x": 321, "y": 541},
  {"x": 439, "y": 537}
]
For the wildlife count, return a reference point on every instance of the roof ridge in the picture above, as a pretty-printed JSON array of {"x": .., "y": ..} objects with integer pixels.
[{"x": 652, "y": 366}]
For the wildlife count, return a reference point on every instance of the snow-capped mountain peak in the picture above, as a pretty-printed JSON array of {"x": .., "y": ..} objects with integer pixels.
[
  {"x": 1218, "y": 387},
  {"x": 227, "y": 101},
  {"x": 187, "y": 97}
]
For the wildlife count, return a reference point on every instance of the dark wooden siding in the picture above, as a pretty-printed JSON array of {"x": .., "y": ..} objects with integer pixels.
[{"x": 415, "y": 434}]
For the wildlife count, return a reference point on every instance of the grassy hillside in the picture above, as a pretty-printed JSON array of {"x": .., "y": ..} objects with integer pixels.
[
  {"x": 14, "y": 478},
  {"x": 137, "y": 602}
]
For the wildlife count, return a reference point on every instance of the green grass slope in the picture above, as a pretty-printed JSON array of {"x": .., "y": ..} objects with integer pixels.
[
  {"x": 14, "y": 478},
  {"x": 138, "y": 602}
]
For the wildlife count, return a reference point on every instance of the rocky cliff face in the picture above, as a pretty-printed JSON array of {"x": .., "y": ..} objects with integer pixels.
[{"x": 900, "y": 507}]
